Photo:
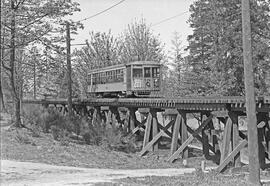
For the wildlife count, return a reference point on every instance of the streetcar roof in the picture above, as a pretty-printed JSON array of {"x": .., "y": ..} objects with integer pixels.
[
  {"x": 119, "y": 66},
  {"x": 143, "y": 63}
]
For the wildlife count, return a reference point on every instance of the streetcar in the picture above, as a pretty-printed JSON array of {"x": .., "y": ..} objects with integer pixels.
[{"x": 139, "y": 78}]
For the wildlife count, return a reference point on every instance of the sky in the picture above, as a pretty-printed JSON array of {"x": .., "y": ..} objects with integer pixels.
[{"x": 117, "y": 18}]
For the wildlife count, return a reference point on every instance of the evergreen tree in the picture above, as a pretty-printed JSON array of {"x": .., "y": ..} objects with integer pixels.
[
  {"x": 177, "y": 67},
  {"x": 216, "y": 62}
]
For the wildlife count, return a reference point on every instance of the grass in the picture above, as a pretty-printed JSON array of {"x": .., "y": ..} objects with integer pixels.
[
  {"x": 21, "y": 145},
  {"x": 43, "y": 147},
  {"x": 183, "y": 180},
  {"x": 196, "y": 178}
]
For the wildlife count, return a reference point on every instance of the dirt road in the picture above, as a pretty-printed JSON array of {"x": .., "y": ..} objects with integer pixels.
[{"x": 27, "y": 173}]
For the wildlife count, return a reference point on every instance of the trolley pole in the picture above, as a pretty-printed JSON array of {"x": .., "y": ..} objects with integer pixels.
[
  {"x": 253, "y": 150},
  {"x": 69, "y": 71}
]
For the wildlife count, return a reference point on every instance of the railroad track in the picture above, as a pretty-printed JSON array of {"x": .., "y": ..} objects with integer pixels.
[{"x": 192, "y": 103}]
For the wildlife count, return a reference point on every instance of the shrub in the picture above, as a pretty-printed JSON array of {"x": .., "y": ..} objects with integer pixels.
[
  {"x": 31, "y": 114},
  {"x": 55, "y": 130},
  {"x": 43, "y": 118},
  {"x": 52, "y": 117},
  {"x": 23, "y": 138},
  {"x": 75, "y": 124},
  {"x": 116, "y": 139},
  {"x": 87, "y": 138},
  {"x": 92, "y": 135},
  {"x": 111, "y": 137},
  {"x": 60, "y": 135},
  {"x": 91, "y": 138},
  {"x": 35, "y": 129},
  {"x": 67, "y": 124},
  {"x": 63, "y": 138}
]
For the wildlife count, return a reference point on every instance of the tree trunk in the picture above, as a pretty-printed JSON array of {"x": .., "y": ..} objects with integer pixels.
[
  {"x": 13, "y": 70},
  {"x": 2, "y": 103},
  {"x": 17, "y": 113}
]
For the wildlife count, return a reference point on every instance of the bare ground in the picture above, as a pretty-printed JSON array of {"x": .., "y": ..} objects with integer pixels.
[
  {"x": 44, "y": 149},
  {"x": 97, "y": 165},
  {"x": 26, "y": 173}
]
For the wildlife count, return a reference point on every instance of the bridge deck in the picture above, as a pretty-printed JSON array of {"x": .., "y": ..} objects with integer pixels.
[{"x": 197, "y": 103}]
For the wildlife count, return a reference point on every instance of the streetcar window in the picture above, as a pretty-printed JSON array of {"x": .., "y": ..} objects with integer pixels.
[
  {"x": 114, "y": 76},
  {"x": 98, "y": 78},
  {"x": 147, "y": 72},
  {"x": 94, "y": 79},
  {"x": 107, "y": 76},
  {"x": 137, "y": 72},
  {"x": 155, "y": 72},
  {"x": 103, "y": 78},
  {"x": 110, "y": 78},
  {"x": 111, "y": 75},
  {"x": 89, "y": 78},
  {"x": 122, "y": 75},
  {"x": 119, "y": 75}
]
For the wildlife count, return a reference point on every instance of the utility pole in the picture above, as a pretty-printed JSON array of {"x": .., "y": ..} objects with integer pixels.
[
  {"x": 69, "y": 71},
  {"x": 1, "y": 92},
  {"x": 253, "y": 150},
  {"x": 35, "y": 84}
]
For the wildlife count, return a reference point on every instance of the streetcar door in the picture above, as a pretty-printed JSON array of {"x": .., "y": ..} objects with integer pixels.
[
  {"x": 156, "y": 77},
  {"x": 128, "y": 77},
  {"x": 147, "y": 77},
  {"x": 89, "y": 82},
  {"x": 137, "y": 74}
]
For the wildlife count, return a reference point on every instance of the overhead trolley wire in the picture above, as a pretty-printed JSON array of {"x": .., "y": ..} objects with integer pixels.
[
  {"x": 169, "y": 18},
  {"x": 157, "y": 23},
  {"x": 78, "y": 44},
  {"x": 103, "y": 11}
]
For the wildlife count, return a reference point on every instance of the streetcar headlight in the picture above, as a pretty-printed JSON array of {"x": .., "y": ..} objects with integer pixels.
[
  {"x": 156, "y": 83},
  {"x": 148, "y": 84}
]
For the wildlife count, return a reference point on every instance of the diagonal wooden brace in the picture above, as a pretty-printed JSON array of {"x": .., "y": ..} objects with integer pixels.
[
  {"x": 165, "y": 129},
  {"x": 147, "y": 130},
  {"x": 231, "y": 155},
  {"x": 226, "y": 140},
  {"x": 138, "y": 126},
  {"x": 156, "y": 137},
  {"x": 200, "y": 139},
  {"x": 176, "y": 129},
  {"x": 152, "y": 142},
  {"x": 227, "y": 157},
  {"x": 190, "y": 138}
]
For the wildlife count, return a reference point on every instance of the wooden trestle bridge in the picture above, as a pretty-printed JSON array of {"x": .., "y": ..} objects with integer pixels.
[{"x": 225, "y": 110}]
